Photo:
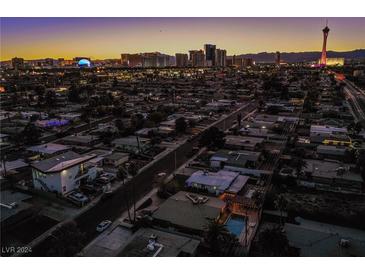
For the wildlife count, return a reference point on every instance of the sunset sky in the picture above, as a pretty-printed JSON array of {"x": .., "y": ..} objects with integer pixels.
[{"x": 98, "y": 38}]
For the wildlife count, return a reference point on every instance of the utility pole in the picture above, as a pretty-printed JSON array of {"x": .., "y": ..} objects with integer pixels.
[
  {"x": 175, "y": 164},
  {"x": 246, "y": 230},
  {"x": 3, "y": 160},
  {"x": 138, "y": 145}
]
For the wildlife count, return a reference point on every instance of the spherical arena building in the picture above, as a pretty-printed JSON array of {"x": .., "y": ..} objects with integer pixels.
[{"x": 84, "y": 63}]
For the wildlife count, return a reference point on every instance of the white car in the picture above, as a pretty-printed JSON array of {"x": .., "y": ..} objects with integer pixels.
[
  {"x": 78, "y": 197},
  {"x": 103, "y": 225}
]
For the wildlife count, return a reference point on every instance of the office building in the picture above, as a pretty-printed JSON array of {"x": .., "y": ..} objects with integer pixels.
[
  {"x": 220, "y": 58},
  {"x": 197, "y": 58},
  {"x": 146, "y": 60},
  {"x": 131, "y": 60},
  {"x": 240, "y": 62},
  {"x": 182, "y": 60},
  {"x": 209, "y": 54}
]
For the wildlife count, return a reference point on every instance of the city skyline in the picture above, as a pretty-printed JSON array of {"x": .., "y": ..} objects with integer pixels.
[{"x": 104, "y": 38}]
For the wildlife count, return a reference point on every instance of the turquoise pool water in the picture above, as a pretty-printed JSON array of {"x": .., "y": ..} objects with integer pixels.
[{"x": 235, "y": 224}]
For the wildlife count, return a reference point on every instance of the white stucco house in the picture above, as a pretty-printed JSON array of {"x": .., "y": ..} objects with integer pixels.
[{"x": 63, "y": 173}]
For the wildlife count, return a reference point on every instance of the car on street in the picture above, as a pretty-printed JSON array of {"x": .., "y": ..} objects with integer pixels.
[
  {"x": 103, "y": 225},
  {"x": 78, "y": 198}
]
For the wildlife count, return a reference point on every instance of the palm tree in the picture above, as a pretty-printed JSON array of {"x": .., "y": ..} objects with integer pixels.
[
  {"x": 281, "y": 204},
  {"x": 121, "y": 175},
  {"x": 299, "y": 164},
  {"x": 216, "y": 233},
  {"x": 133, "y": 170},
  {"x": 360, "y": 159}
]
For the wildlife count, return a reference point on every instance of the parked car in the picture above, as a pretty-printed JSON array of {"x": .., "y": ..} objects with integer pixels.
[
  {"x": 78, "y": 197},
  {"x": 106, "y": 178},
  {"x": 103, "y": 225}
]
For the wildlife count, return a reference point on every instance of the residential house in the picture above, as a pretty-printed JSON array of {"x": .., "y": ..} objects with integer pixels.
[
  {"x": 331, "y": 175},
  {"x": 329, "y": 134},
  {"x": 132, "y": 144},
  {"x": 154, "y": 242},
  {"x": 116, "y": 159},
  {"x": 243, "y": 142},
  {"x": 188, "y": 212},
  {"x": 48, "y": 150},
  {"x": 63, "y": 173},
  {"x": 217, "y": 182},
  {"x": 243, "y": 161}
]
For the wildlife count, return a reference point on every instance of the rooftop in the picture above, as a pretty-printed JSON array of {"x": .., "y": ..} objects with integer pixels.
[
  {"x": 181, "y": 211},
  {"x": 327, "y": 129},
  {"x": 320, "y": 239},
  {"x": 330, "y": 170},
  {"x": 173, "y": 245},
  {"x": 49, "y": 148},
  {"x": 243, "y": 140},
  {"x": 130, "y": 141},
  {"x": 12, "y": 165},
  {"x": 234, "y": 157},
  {"x": 221, "y": 179},
  {"x": 81, "y": 139},
  {"x": 9, "y": 197},
  {"x": 61, "y": 162}
]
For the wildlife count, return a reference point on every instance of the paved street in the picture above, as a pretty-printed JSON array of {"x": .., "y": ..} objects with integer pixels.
[{"x": 354, "y": 95}]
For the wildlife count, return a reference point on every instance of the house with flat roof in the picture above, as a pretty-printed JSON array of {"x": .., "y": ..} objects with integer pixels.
[
  {"x": 243, "y": 142},
  {"x": 247, "y": 130},
  {"x": 14, "y": 207},
  {"x": 12, "y": 167},
  {"x": 315, "y": 239},
  {"x": 132, "y": 144},
  {"x": 243, "y": 161},
  {"x": 98, "y": 160},
  {"x": 319, "y": 134},
  {"x": 331, "y": 175},
  {"x": 63, "y": 173},
  {"x": 154, "y": 242},
  {"x": 80, "y": 140},
  {"x": 333, "y": 152},
  {"x": 217, "y": 182},
  {"x": 48, "y": 150},
  {"x": 188, "y": 212},
  {"x": 116, "y": 159},
  {"x": 237, "y": 158}
]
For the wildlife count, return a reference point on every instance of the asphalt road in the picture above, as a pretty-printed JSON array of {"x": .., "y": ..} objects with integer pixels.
[
  {"x": 354, "y": 95},
  {"x": 112, "y": 207}
]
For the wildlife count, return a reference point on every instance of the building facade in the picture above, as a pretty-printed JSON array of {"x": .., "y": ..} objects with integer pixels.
[
  {"x": 210, "y": 54},
  {"x": 197, "y": 58},
  {"x": 182, "y": 60},
  {"x": 220, "y": 58},
  {"x": 63, "y": 173}
]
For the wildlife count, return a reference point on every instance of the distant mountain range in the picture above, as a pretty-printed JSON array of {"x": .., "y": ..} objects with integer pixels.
[{"x": 292, "y": 57}]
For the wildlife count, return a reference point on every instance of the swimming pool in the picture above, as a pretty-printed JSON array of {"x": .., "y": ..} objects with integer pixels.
[{"x": 235, "y": 224}]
